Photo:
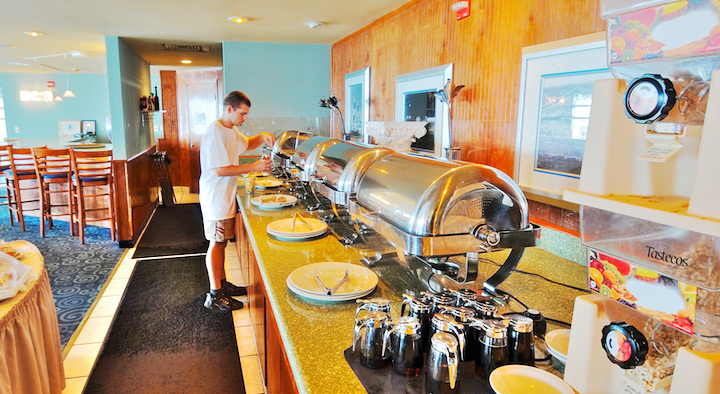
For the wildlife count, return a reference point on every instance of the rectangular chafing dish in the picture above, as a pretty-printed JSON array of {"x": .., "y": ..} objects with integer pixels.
[
  {"x": 429, "y": 208},
  {"x": 286, "y": 145},
  {"x": 341, "y": 166},
  {"x": 307, "y": 153}
]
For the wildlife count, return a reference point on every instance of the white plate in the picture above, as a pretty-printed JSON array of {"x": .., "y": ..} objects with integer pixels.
[
  {"x": 266, "y": 183},
  {"x": 283, "y": 228},
  {"x": 523, "y": 379},
  {"x": 270, "y": 201},
  {"x": 335, "y": 298},
  {"x": 557, "y": 343},
  {"x": 360, "y": 281}
]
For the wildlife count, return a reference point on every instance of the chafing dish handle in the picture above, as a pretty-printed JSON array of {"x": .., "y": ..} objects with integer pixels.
[{"x": 505, "y": 270}]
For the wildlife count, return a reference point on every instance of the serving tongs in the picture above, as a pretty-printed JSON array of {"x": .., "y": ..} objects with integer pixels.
[
  {"x": 331, "y": 290},
  {"x": 297, "y": 217}
]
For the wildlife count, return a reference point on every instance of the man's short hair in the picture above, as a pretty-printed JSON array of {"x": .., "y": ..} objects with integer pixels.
[{"x": 236, "y": 98}]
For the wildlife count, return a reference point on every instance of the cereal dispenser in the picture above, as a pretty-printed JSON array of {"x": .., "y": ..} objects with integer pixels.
[{"x": 650, "y": 215}]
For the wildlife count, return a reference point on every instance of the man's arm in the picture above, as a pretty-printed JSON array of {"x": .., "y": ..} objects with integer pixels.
[
  {"x": 257, "y": 140},
  {"x": 258, "y": 166}
]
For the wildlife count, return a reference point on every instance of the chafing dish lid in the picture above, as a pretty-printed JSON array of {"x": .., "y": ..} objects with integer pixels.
[
  {"x": 308, "y": 158},
  {"x": 426, "y": 196},
  {"x": 304, "y": 149},
  {"x": 341, "y": 166},
  {"x": 287, "y": 143}
]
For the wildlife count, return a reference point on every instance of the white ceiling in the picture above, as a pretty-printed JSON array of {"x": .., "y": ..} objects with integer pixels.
[{"x": 81, "y": 25}]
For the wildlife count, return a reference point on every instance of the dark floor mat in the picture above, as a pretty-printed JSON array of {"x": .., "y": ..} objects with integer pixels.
[
  {"x": 173, "y": 231},
  {"x": 163, "y": 340}
]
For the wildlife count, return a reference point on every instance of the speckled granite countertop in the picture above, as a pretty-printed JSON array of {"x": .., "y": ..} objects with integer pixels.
[{"x": 316, "y": 333}]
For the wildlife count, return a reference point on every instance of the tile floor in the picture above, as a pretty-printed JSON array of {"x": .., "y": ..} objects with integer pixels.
[{"x": 83, "y": 352}]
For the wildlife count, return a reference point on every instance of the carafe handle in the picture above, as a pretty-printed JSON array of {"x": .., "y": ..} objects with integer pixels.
[
  {"x": 359, "y": 324},
  {"x": 360, "y": 308},
  {"x": 406, "y": 302},
  {"x": 459, "y": 331},
  {"x": 452, "y": 358}
]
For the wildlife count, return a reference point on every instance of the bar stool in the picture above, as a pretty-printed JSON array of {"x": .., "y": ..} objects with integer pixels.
[
  {"x": 52, "y": 167},
  {"x": 92, "y": 169},
  {"x": 22, "y": 169},
  {"x": 4, "y": 165}
]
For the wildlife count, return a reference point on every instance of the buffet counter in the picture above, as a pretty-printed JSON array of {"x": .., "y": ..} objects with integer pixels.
[{"x": 311, "y": 336}]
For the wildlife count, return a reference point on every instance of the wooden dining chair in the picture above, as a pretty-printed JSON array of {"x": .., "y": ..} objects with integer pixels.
[
  {"x": 53, "y": 171},
  {"x": 20, "y": 182},
  {"x": 93, "y": 178},
  {"x": 4, "y": 165}
]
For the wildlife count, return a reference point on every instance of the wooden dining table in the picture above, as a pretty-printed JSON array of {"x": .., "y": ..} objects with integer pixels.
[{"x": 31, "y": 358}]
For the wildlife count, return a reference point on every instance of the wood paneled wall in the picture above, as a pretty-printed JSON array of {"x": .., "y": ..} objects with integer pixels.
[
  {"x": 485, "y": 50},
  {"x": 136, "y": 194}
]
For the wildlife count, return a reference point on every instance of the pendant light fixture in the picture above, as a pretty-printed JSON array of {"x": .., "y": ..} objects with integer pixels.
[{"x": 68, "y": 92}]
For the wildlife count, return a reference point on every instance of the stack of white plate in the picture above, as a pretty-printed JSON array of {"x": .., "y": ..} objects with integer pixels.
[
  {"x": 283, "y": 228},
  {"x": 273, "y": 201},
  {"x": 557, "y": 343},
  {"x": 262, "y": 183},
  {"x": 360, "y": 282}
]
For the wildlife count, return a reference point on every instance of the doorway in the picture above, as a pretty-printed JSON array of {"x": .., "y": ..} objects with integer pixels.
[{"x": 198, "y": 97}]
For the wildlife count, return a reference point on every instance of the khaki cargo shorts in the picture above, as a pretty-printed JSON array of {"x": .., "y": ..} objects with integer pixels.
[{"x": 219, "y": 230}]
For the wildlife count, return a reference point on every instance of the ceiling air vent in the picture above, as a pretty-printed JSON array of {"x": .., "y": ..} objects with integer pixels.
[{"x": 186, "y": 48}]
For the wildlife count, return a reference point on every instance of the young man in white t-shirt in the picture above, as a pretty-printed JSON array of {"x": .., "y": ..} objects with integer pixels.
[{"x": 220, "y": 166}]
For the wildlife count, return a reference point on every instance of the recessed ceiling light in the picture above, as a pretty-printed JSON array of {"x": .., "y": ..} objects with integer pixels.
[
  {"x": 238, "y": 19},
  {"x": 186, "y": 61},
  {"x": 33, "y": 33},
  {"x": 18, "y": 63},
  {"x": 313, "y": 24}
]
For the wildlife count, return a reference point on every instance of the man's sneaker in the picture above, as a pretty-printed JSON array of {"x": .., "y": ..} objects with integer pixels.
[
  {"x": 222, "y": 302},
  {"x": 234, "y": 291}
]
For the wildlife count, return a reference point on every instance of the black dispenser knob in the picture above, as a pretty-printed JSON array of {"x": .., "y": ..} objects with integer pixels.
[{"x": 624, "y": 344}]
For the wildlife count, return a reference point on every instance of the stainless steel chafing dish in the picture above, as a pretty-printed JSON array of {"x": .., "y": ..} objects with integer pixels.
[
  {"x": 431, "y": 209},
  {"x": 307, "y": 154},
  {"x": 286, "y": 145},
  {"x": 340, "y": 167}
]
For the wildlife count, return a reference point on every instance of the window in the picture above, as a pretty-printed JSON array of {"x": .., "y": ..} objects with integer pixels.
[
  {"x": 357, "y": 103},
  {"x": 415, "y": 101}
]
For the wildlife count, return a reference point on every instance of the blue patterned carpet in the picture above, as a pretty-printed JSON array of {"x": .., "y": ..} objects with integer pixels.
[{"x": 77, "y": 272}]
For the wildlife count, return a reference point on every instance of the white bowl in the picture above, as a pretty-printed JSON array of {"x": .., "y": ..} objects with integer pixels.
[{"x": 524, "y": 379}]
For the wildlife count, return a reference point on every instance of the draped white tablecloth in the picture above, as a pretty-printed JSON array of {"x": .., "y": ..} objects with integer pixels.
[{"x": 30, "y": 349}]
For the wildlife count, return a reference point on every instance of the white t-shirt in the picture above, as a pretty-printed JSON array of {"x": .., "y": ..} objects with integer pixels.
[{"x": 220, "y": 147}]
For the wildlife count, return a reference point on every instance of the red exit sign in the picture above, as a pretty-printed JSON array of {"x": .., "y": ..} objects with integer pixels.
[
  {"x": 51, "y": 84},
  {"x": 462, "y": 9}
]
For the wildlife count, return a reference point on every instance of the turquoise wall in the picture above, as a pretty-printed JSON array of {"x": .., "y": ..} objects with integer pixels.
[
  {"x": 128, "y": 80},
  {"x": 39, "y": 120},
  {"x": 281, "y": 80}
]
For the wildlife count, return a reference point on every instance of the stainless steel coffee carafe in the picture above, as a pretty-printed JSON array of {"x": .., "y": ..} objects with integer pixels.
[
  {"x": 521, "y": 341},
  {"x": 418, "y": 308},
  {"x": 404, "y": 342},
  {"x": 442, "y": 366},
  {"x": 368, "y": 339},
  {"x": 465, "y": 317},
  {"x": 373, "y": 304},
  {"x": 494, "y": 348},
  {"x": 442, "y": 322}
]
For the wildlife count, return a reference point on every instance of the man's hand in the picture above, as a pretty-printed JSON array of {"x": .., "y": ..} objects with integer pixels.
[
  {"x": 268, "y": 138},
  {"x": 264, "y": 165}
]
